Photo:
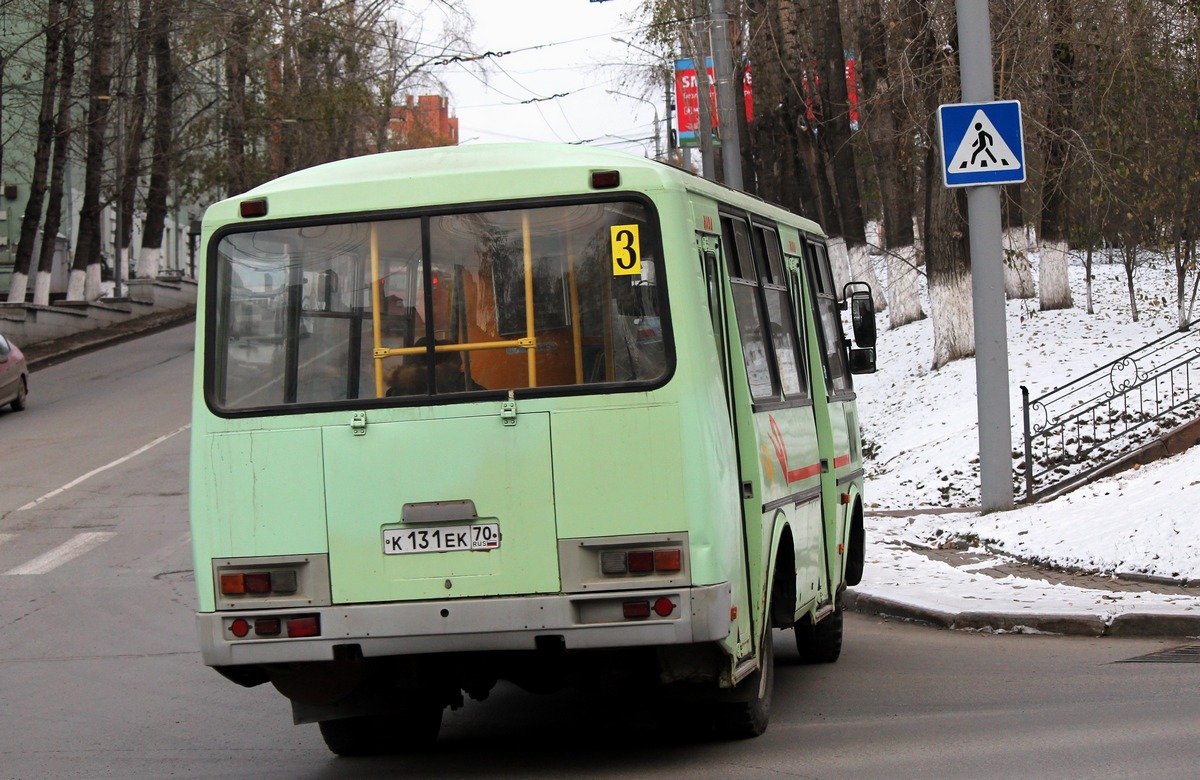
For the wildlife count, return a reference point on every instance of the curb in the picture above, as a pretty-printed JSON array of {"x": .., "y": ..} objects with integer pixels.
[
  {"x": 48, "y": 353},
  {"x": 1128, "y": 624}
]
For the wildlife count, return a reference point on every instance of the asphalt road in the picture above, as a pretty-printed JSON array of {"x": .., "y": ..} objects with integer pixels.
[{"x": 99, "y": 675}]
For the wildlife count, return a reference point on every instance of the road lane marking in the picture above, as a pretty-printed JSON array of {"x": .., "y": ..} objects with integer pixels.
[
  {"x": 5, "y": 537},
  {"x": 72, "y": 548},
  {"x": 105, "y": 467}
]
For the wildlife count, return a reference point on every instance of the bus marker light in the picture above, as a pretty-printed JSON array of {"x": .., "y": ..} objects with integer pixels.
[
  {"x": 239, "y": 628},
  {"x": 308, "y": 625},
  {"x": 663, "y": 607},
  {"x": 613, "y": 562},
  {"x": 668, "y": 560},
  {"x": 267, "y": 627},
  {"x": 233, "y": 584},
  {"x": 641, "y": 562},
  {"x": 636, "y": 609},
  {"x": 258, "y": 582},
  {"x": 732, "y": 614},
  {"x": 605, "y": 180},
  {"x": 253, "y": 208}
]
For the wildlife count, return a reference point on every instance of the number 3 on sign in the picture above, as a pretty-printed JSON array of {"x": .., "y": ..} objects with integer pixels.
[{"x": 626, "y": 251}]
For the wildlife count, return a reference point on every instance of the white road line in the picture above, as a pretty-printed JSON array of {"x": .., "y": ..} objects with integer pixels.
[
  {"x": 5, "y": 537},
  {"x": 74, "y": 547},
  {"x": 105, "y": 467}
]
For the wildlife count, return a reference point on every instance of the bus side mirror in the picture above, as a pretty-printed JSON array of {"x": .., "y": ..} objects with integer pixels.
[
  {"x": 862, "y": 314},
  {"x": 862, "y": 361}
]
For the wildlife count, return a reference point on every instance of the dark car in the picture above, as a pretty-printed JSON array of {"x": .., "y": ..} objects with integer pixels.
[{"x": 14, "y": 375}]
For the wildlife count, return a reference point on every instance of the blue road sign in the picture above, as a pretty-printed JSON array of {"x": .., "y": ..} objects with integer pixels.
[{"x": 981, "y": 143}]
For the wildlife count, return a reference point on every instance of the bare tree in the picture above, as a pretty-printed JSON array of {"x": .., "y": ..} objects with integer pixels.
[
  {"x": 1055, "y": 287},
  {"x": 84, "y": 283},
  {"x": 18, "y": 284}
]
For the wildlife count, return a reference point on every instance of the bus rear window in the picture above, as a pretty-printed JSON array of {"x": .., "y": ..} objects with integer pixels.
[{"x": 439, "y": 305}]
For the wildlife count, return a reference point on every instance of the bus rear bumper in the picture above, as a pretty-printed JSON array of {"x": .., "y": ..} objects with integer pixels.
[{"x": 583, "y": 621}]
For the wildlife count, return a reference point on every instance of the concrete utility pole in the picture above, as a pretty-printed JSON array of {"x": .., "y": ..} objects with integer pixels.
[
  {"x": 727, "y": 96},
  {"x": 987, "y": 277}
]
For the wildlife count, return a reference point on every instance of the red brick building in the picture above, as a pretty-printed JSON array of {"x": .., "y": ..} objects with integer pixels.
[{"x": 422, "y": 124}]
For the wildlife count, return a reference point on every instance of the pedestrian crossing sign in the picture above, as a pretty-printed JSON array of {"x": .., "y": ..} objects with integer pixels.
[{"x": 981, "y": 143}]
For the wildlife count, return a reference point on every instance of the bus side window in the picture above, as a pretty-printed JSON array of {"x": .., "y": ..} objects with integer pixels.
[
  {"x": 780, "y": 314},
  {"x": 739, "y": 257},
  {"x": 833, "y": 341}
]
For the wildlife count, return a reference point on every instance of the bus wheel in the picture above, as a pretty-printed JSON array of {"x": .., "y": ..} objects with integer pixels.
[
  {"x": 747, "y": 711},
  {"x": 412, "y": 730},
  {"x": 820, "y": 643}
]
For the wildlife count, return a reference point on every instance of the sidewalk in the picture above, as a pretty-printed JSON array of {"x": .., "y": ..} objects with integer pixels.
[
  {"x": 46, "y": 353},
  {"x": 973, "y": 589}
]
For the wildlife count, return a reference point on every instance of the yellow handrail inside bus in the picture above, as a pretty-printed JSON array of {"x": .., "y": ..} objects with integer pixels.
[
  {"x": 529, "y": 329},
  {"x": 576, "y": 325},
  {"x": 375, "y": 315}
]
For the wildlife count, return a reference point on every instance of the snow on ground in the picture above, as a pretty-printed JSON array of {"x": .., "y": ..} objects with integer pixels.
[{"x": 921, "y": 427}]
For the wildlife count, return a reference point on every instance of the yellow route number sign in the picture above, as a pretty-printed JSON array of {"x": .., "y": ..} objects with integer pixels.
[{"x": 626, "y": 251}]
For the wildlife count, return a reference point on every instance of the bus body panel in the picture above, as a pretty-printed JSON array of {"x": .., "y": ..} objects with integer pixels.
[
  {"x": 613, "y": 470},
  {"x": 371, "y": 479}
]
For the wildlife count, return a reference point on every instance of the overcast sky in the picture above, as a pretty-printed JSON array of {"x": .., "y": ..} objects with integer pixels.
[{"x": 560, "y": 48}]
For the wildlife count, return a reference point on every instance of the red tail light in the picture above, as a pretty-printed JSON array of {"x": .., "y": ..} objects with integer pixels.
[
  {"x": 641, "y": 561},
  {"x": 258, "y": 582},
  {"x": 636, "y": 609},
  {"x": 668, "y": 560},
  {"x": 307, "y": 625}
]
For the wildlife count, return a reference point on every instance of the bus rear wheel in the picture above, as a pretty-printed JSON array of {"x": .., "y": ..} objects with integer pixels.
[
  {"x": 747, "y": 710},
  {"x": 411, "y": 730},
  {"x": 820, "y": 643}
]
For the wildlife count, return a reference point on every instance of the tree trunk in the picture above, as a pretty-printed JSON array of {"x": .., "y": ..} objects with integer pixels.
[
  {"x": 1055, "y": 278},
  {"x": 85, "y": 271},
  {"x": 133, "y": 136},
  {"x": 41, "y": 156},
  {"x": 62, "y": 144},
  {"x": 1018, "y": 271},
  {"x": 235, "y": 117},
  {"x": 160, "y": 163},
  {"x": 947, "y": 244},
  {"x": 893, "y": 152}
]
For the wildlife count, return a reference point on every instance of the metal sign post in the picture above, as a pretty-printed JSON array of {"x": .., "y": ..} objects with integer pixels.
[{"x": 987, "y": 265}]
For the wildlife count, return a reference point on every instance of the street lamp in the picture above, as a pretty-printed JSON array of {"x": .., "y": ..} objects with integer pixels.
[{"x": 657, "y": 147}]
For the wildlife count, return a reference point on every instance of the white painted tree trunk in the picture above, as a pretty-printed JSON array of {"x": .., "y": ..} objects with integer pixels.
[
  {"x": 904, "y": 297},
  {"x": 41, "y": 288},
  {"x": 18, "y": 285},
  {"x": 148, "y": 262},
  {"x": 77, "y": 285},
  {"x": 953, "y": 319},
  {"x": 863, "y": 270},
  {"x": 839, "y": 262},
  {"x": 1018, "y": 271},
  {"x": 1055, "y": 281},
  {"x": 93, "y": 287}
]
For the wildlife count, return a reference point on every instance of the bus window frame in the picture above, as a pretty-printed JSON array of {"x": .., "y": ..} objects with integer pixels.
[
  {"x": 820, "y": 275},
  {"x": 652, "y": 238}
]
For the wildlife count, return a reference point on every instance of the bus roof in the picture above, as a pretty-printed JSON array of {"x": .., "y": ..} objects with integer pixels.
[{"x": 474, "y": 173}]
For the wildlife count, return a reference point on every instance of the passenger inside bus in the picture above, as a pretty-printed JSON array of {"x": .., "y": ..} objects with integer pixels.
[{"x": 411, "y": 377}]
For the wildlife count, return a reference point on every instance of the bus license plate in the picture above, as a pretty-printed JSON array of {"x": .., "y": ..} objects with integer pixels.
[{"x": 449, "y": 538}]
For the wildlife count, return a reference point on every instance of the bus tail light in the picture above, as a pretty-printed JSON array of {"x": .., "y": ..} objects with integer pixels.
[
  {"x": 636, "y": 609},
  {"x": 281, "y": 582},
  {"x": 292, "y": 626},
  {"x": 304, "y": 625},
  {"x": 622, "y": 562}
]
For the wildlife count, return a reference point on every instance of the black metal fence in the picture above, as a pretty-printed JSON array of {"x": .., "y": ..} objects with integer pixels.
[{"x": 1080, "y": 428}]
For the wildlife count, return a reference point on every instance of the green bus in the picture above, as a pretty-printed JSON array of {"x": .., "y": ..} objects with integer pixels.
[{"x": 537, "y": 413}]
